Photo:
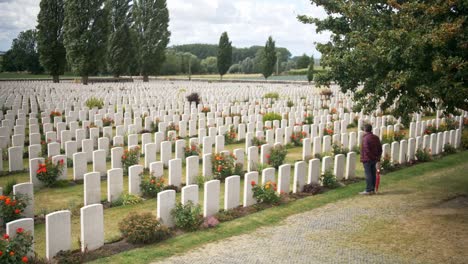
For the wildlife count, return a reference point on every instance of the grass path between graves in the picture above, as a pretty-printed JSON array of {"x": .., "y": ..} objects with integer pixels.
[{"x": 441, "y": 179}]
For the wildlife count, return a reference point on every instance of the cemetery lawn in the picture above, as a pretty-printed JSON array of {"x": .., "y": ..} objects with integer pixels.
[{"x": 440, "y": 179}]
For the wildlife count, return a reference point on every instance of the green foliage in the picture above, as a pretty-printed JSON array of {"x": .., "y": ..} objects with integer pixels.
[
  {"x": 258, "y": 142},
  {"x": 277, "y": 156},
  {"x": 290, "y": 103},
  {"x": 143, "y": 228},
  {"x": 130, "y": 158},
  {"x": 94, "y": 102},
  {"x": 23, "y": 54},
  {"x": 297, "y": 137},
  {"x": 265, "y": 193},
  {"x": 50, "y": 37},
  {"x": 271, "y": 117},
  {"x": 48, "y": 171},
  {"x": 187, "y": 217},
  {"x": 151, "y": 19},
  {"x": 224, "y": 54},
  {"x": 201, "y": 181},
  {"x": 11, "y": 207},
  {"x": 8, "y": 188},
  {"x": 269, "y": 58},
  {"x": 16, "y": 249},
  {"x": 328, "y": 180},
  {"x": 464, "y": 139},
  {"x": 356, "y": 149},
  {"x": 310, "y": 70},
  {"x": 150, "y": 187},
  {"x": 85, "y": 34},
  {"x": 231, "y": 136},
  {"x": 405, "y": 54},
  {"x": 386, "y": 164},
  {"x": 119, "y": 38},
  {"x": 271, "y": 95},
  {"x": 309, "y": 119},
  {"x": 303, "y": 61},
  {"x": 127, "y": 199},
  {"x": 449, "y": 149},
  {"x": 210, "y": 65},
  {"x": 223, "y": 165},
  {"x": 339, "y": 149},
  {"x": 192, "y": 150},
  {"x": 423, "y": 155}
]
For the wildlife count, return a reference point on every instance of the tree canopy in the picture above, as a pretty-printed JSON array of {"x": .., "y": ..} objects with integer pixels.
[
  {"x": 50, "y": 37},
  {"x": 224, "y": 54},
  {"x": 85, "y": 27},
  {"x": 151, "y": 25},
  {"x": 269, "y": 58},
  {"x": 120, "y": 42},
  {"x": 23, "y": 55},
  {"x": 403, "y": 54}
]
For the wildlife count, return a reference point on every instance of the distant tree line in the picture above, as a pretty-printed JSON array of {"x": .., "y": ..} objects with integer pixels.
[{"x": 124, "y": 37}]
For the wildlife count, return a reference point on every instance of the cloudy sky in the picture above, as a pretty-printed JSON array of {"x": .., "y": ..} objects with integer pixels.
[{"x": 248, "y": 22}]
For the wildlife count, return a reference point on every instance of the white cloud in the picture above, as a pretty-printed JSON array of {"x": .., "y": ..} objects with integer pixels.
[{"x": 248, "y": 22}]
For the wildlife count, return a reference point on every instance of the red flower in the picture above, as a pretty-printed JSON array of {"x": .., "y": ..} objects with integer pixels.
[
  {"x": 17, "y": 211},
  {"x": 6, "y": 236},
  {"x": 124, "y": 157},
  {"x": 253, "y": 183},
  {"x": 1, "y": 253},
  {"x": 220, "y": 168},
  {"x": 19, "y": 230},
  {"x": 12, "y": 253},
  {"x": 152, "y": 181},
  {"x": 61, "y": 162},
  {"x": 25, "y": 259},
  {"x": 268, "y": 156}
]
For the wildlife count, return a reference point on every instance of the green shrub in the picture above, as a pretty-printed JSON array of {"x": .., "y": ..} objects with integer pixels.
[
  {"x": 194, "y": 98},
  {"x": 464, "y": 139},
  {"x": 290, "y": 103},
  {"x": 127, "y": 199},
  {"x": 15, "y": 249},
  {"x": 277, "y": 156},
  {"x": 11, "y": 207},
  {"x": 271, "y": 95},
  {"x": 223, "y": 165},
  {"x": 265, "y": 193},
  {"x": 356, "y": 149},
  {"x": 386, "y": 164},
  {"x": 328, "y": 180},
  {"x": 187, "y": 217},
  {"x": 271, "y": 117},
  {"x": 449, "y": 149},
  {"x": 150, "y": 187},
  {"x": 309, "y": 119},
  {"x": 143, "y": 228},
  {"x": 94, "y": 102},
  {"x": 8, "y": 189},
  {"x": 423, "y": 155},
  {"x": 297, "y": 137},
  {"x": 130, "y": 158},
  {"x": 336, "y": 149},
  {"x": 48, "y": 171}
]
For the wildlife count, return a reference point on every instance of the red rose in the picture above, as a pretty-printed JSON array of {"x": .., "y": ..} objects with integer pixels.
[
  {"x": 253, "y": 183},
  {"x": 1, "y": 253},
  {"x": 12, "y": 253},
  {"x": 6, "y": 236},
  {"x": 25, "y": 259},
  {"x": 19, "y": 230},
  {"x": 17, "y": 211}
]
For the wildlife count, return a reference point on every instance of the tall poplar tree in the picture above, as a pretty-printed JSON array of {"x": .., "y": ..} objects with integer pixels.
[
  {"x": 50, "y": 37},
  {"x": 269, "y": 58},
  {"x": 151, "y": 26},
  {"x": 85, "y": 27},
  {"x": 310, "y": 70},
  {"x": 224, "y": 54},
  {"x": 119, "y": 42}
]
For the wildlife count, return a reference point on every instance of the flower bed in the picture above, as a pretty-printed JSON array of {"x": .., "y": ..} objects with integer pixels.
[
  {"x": 48, "y": 172},
  {"x": 15, "y": 249}
]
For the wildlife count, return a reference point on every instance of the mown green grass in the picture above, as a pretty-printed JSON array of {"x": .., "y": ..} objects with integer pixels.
[{"x": 412, "y": 176}]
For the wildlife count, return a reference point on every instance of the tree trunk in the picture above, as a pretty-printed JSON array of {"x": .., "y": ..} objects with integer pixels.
[
  {"x": 84, "y": 80},
  {"x": 145, "y": 78},
  {"x": 55, "y": 78}
]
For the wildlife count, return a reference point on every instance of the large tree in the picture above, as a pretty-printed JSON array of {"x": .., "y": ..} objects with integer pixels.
[
  {"x": 50, "y": 37},
  {"x": 404, "y": 55},
  {"x": 23, "y": 55},
  {"x": 120, "y": 42},
  {"x": 269, "y": 58},
  {"x": 151, "y": 25},
  {"x": 303, "y": 61},
  {"x": 224, "y": 54},
  {"x": 85, "y": 27}
]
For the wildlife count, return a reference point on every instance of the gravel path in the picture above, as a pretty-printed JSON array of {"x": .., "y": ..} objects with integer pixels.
[{"x": 317, "y": 236}]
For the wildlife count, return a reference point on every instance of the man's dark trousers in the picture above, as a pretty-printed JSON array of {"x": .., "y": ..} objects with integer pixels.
[{"x": 370, "y": 170}]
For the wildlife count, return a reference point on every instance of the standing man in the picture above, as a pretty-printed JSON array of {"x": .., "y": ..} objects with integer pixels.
[{"x": 371, "y": 151}]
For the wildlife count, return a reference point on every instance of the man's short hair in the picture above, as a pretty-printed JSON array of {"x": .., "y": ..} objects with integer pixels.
[{"x": 367, "y": 127}]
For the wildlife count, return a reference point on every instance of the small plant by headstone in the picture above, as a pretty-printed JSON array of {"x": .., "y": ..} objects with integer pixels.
[
  {"x": 48, "y": 172},
  {"x": 11, "y": 207},
  {"x": 94, "y": 102},
  {"x": 271, "y": 117},
  {"x": 187, "y": 217},
  {"x": 15, "y": 249},
  {"x": 143, "y": 228},
  {"x": 223, "y": 165},
  {"x": 277, "y": 156},
  {"x": 150, "y": 187},
  {"x": 328, "y": 180},
  {"x": 297, "y": 137},
  {"x": 130, "y": 158},
  {"x": 423, "y": 155},
  {"x": 265, "y": 193}
]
